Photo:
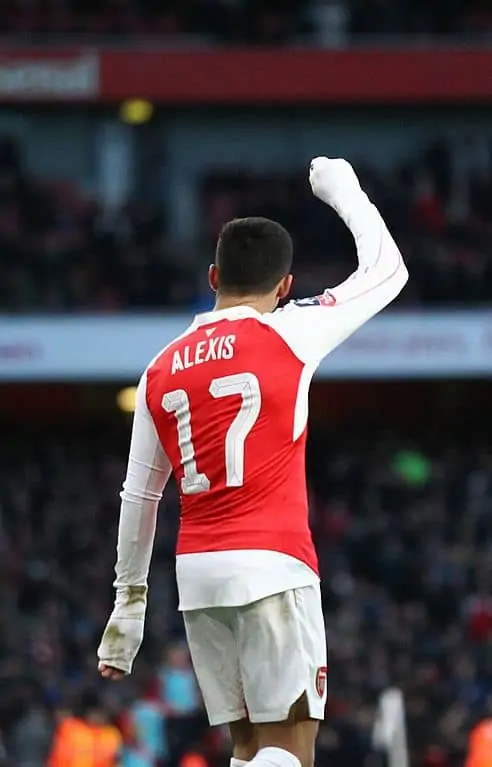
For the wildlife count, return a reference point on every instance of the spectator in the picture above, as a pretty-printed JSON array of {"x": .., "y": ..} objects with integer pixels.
[
  {"x": 144, "y": 728},
  {"x": 30, "y": 738},
  {"x": 87, "y": 740},
  {"x": 179, "y": 694},
  {"x": 480, "y": 748}
]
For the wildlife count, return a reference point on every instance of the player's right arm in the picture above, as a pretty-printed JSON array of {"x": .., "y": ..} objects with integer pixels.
[
  {"x": 148, "y": 471},
  {"x": 314, "y": 327}
]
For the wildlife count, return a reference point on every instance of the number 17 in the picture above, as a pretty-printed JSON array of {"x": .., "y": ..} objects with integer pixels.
[{"x": 177, "y": 402}]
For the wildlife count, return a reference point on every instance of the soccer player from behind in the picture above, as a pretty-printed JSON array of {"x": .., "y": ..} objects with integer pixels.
[{"x": 225, "y": 408}]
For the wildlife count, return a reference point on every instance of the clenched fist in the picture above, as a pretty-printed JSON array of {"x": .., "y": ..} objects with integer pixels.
[
  {"x": 123, "y": 634},
  {"x": 334, "y": 182}
]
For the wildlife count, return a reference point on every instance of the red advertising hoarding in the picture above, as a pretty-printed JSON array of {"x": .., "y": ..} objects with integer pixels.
[{"x": 247, "y": 76}]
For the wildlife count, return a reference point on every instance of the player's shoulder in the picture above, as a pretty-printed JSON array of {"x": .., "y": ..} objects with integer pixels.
[
  {"x": 300, "y": 324},
  {"x": 298, "y": 314},
  {"x": 169, "y": 348}
]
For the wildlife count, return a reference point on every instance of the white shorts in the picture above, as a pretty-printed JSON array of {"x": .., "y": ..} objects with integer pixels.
[{"x": 257, "y": 660}]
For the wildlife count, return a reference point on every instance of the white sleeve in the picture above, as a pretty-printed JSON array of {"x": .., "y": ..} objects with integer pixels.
[
  {"x": 147, "y": 474},
  {"x": 313, "y": 327}
]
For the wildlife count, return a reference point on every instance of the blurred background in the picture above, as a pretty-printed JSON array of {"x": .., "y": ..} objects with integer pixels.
[{"x": 130, "y": 130}]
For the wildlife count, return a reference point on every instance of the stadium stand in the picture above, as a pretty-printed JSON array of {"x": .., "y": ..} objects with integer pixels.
[
  {"x": 58, "y": 254},
  {"x": 246, "y": 21}
]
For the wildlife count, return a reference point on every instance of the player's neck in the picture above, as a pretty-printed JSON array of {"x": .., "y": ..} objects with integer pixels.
[{"x": 261, "y": 304}]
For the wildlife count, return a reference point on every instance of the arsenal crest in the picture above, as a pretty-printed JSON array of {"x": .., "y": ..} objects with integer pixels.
[{"x": 320, "y": 683}]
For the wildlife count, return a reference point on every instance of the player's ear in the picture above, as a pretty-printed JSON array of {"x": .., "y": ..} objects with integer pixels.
[
  {"x": 213, "y": 277},
  {"x": 284, "y": 287}
]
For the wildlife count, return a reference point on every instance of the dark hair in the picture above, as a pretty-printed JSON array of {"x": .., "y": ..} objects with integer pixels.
[
  {"x": 253, "y": 255},
  {"x": 88, "y": 701}
]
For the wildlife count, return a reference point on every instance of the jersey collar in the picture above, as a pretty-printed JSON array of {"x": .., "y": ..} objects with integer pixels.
[{"x": 233, "y": 313}]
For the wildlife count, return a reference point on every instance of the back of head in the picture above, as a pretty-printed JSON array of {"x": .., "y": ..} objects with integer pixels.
[
  {"x": 89, "y": 707},
  {"x": 253, "y": 255}
]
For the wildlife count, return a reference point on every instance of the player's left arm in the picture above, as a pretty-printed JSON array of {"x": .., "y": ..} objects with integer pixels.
[
  {"x": 147, "y": 474},
  {"x": 315, "y": 326}
]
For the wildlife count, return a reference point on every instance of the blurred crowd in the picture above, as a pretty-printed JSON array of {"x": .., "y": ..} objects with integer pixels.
[
  {"x": 437, "y": 204},
  {"x": 404, "y": 536},
  {"x": 59, "y": 252},
  {"x": 252, "y": 22},
  {"x": 58, "y": 517}
]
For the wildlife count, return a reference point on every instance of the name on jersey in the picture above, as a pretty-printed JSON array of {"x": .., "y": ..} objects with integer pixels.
[{"x": 211, "y": 350}]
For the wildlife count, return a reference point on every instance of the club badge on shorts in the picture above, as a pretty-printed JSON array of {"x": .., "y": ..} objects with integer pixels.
[{"x": 320, "y": 683}]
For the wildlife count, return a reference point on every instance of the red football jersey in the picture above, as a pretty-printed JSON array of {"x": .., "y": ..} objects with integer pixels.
[{"x": 224, "y": 399}]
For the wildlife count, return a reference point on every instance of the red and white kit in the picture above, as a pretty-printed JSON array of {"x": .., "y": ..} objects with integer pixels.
[{"x": 225, "y": 408}]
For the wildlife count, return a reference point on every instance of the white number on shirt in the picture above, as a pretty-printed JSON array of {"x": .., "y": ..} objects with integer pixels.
[{"x": 177, "y": 402}]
